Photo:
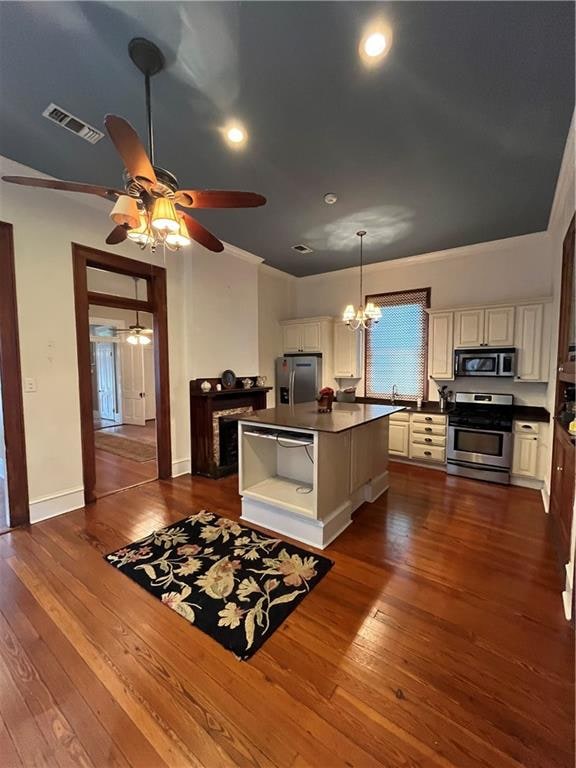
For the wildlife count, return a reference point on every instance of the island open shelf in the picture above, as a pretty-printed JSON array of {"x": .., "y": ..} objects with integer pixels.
[{"x": 303, "y": 474}]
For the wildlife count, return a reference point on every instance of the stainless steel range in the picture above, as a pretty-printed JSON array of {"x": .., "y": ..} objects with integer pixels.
[{"x": 480, "y": 437}]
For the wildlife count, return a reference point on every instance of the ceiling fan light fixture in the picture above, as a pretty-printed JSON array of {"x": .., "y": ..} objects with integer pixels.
[
  {"x": 181, "y": 238},
  {"x": 164, "y": 216},
  {"x": 140, "y": 234},
  {"x": 125, "y": 212}
]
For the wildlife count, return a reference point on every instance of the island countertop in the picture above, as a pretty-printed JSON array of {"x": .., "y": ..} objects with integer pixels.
[{"x": 305, "y": 416}]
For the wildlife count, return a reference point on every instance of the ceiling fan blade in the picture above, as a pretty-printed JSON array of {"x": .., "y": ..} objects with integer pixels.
[
  {"x": 130, "y": 148},
  {"x": 66, "y": 186},
  {"x": 118, "y": 235},
  {"x": 202, "y": 235},
  {"x": 217, "y": 198}
]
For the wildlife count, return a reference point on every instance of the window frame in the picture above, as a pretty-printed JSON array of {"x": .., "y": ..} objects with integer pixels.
[{"x": 371, "y": 297}]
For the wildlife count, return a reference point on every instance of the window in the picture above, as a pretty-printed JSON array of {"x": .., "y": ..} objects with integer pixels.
[{"x": 396, "y": 347}]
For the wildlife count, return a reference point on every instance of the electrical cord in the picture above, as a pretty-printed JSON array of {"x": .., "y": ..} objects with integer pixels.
[{"x": 300, "y": 488}]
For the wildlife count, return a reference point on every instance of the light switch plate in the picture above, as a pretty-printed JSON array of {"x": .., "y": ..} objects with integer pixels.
[{"x": 29, "y": 385}]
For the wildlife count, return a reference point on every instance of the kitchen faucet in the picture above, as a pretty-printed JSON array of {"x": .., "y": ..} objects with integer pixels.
[{"x": 394, "y": 393}]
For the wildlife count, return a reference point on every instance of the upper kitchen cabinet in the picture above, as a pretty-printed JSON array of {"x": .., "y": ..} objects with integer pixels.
[
  {"x": 441, "y": 345},
  {"x": 347, "y": 352},
  {"x": 490, "y": 327},
  {"x": 307, "y": 335},
  {"x": 531, "y": 362}
]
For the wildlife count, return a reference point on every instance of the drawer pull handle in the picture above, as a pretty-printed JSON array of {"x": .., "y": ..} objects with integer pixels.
[
  {"x": 427, "y": 429},
  {"x": 428, "y": 418},
  {"x": 428, "y": 439},
  {"x": 427, "y": 453},
  {"x": 526, "y": 426}
]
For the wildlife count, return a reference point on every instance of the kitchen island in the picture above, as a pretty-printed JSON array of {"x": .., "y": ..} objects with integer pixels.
[{"x": 303, "y": 473}]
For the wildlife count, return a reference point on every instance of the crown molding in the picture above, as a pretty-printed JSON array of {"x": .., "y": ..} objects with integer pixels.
[
  {"x": 462, "y": 252},
  {"x": 275, "y": 272},
  {"x": 240, "y": 253},
  {"x": 565, "y": 193}
]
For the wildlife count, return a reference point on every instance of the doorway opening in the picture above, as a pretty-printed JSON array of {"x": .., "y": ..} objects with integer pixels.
[
  {"x": 123, "y": 400},
  {"x": 14, "y": 509},
  {"x": 122, "y": 339}
]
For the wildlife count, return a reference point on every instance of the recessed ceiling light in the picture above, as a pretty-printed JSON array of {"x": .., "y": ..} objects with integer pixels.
[
  {"x": 330, "y": 198},
  {"x": 375, "y": 44},
  {"x": 235, "y": 134}
]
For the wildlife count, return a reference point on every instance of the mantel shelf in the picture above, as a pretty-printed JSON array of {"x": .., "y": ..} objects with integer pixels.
[{"x": 235, "y": 391}]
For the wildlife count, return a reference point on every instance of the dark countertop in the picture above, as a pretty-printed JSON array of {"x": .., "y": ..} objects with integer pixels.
[
  {"x": 531, "y": 413},
  {"x": 344, "y": 416},
  {"x": 521, "y": 412}
]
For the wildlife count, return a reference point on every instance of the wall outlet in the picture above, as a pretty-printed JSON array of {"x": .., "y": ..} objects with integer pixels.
[{"x": 30, "y": 385}]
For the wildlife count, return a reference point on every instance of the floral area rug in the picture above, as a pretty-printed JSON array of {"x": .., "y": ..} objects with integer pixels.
[{"x": 232, "y": 582}]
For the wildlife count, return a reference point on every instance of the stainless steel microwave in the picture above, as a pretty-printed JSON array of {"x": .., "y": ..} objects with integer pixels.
[{"x": 485, "y": 362}]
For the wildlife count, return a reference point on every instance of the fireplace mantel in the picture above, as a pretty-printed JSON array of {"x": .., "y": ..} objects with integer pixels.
[{"x": 206, "y": 411}]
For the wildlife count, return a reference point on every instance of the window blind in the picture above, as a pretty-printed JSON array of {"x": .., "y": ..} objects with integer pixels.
[{"x": 397, "y": 346}]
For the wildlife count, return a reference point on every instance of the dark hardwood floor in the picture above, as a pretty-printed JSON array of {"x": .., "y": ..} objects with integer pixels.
[
  {"x": 437, "y": 639},
  {"x": 115, "y": 473}
]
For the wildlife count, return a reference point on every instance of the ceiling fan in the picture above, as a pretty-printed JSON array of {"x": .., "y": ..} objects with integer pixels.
[
  {"x": 137, "y": 333},
  {"x": 151, "y": 209}
]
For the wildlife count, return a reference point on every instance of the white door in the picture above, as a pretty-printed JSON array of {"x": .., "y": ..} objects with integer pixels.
[
  {"x": 469, "y": 328},
  {"x": 499, "y": 327},
  {"x": 149, "y": 383},
  {"x": 292, "y": 338},
  {"x": 106, "y": 380},
  {"x": 311, "y": 337},
  {"x": 441, "y": 345},
  {"x": 132, "y": 385}
]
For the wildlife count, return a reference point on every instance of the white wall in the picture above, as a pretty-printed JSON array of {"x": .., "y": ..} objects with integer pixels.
[
  {"x": 276, "y": 301},
  {"x": 213, "y": 321},
  {"x": 499, "y": 271}
]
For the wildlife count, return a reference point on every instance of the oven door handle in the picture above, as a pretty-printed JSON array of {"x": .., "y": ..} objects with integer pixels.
[{"x": 481, "y": 429}]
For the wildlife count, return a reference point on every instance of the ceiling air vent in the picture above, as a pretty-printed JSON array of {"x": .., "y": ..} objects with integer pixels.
[
  {"x": 66, "y": 120},
  {"x": 302, "y": 249}
]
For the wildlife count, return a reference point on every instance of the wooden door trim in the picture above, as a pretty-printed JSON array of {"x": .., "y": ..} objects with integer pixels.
[
  {"x": 11, "y": 375},
  {"x": 83, "y": 257}
]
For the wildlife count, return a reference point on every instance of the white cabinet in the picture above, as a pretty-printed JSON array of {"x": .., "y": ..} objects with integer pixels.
[
  {"x": 491, "y": 327},
  {"x": 399, "y": 438},
  {"x": 302, "y": 336},
  {"x": 499, "y": 327},
  {"x": 347, "y": 352},
  {"x": 469, "y": 328},
  {"x": 441, "y": 345},
  {"x": 291, "y": 338},
  {"x": 529, "y": 449},
  {"x": 531, "y": 364}
]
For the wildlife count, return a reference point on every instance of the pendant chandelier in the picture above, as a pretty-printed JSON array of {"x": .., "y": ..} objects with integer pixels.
[{"x": 363, "y": 316}]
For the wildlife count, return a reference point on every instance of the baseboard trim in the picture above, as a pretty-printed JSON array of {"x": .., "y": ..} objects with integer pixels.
[
  {"x": 181, "y": 467},
  {"x": 526, "y": 482},
  {"x": 57, "y": 504},
  {"x": 545, "y": 498}
]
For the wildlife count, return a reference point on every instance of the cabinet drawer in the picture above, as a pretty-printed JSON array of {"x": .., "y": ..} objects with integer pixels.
[
  {"x": 418, "y": 428},
  {"x": 527, "y": 427},
  {"x": 400, "y": 416},
  {"x": 429, "y": 418},
  {"x": 427, "y": 452},
  {"x": 418, "y": 439}
]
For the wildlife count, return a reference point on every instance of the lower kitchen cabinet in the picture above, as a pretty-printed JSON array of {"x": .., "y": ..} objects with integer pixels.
[
  {"x": 528, "y": 440},
  {"x": 399, "y": 438}
]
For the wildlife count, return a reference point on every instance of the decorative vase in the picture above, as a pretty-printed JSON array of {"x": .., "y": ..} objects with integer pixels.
[
  {"x": 205, "y": 386},
  {"x": 325, "y": 400}
]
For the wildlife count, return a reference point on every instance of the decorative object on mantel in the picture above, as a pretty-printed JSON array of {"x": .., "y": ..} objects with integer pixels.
[
  {"x": 228, "y": 379},
  {"x": 364, "y": 316},
  {"x": 151, "y": 210},
  {"x": 325, "y": 400},
  {"x": 261, "y": 381},
  {"x": 235, "y": 584},
  {"x": 247, "y": 383}
]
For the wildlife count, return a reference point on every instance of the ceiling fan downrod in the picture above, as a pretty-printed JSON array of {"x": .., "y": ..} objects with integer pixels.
[{"x": 150, "y": 60}]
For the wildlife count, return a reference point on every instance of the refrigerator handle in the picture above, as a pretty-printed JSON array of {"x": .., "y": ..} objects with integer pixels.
[{"x": 292, "y": 380}]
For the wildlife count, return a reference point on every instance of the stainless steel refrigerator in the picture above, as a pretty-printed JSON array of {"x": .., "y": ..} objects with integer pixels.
[{"x": 298, "y": 378}]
